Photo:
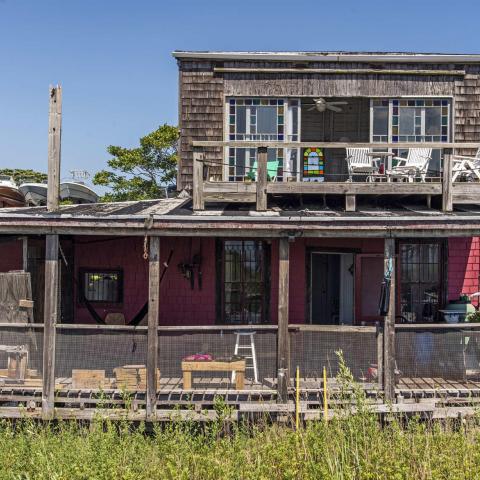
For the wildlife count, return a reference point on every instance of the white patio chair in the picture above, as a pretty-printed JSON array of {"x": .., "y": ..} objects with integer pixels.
[
  {"x": 416, "y": 164},
  {"x": 360, "y": 162},
  {"x": 468, "y": 167}
]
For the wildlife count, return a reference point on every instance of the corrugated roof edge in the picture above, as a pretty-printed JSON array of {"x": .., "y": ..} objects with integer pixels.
[{"x": 408, "y": 57}]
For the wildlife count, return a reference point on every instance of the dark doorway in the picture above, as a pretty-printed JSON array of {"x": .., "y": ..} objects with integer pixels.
[{"x": 331, "y": 288}]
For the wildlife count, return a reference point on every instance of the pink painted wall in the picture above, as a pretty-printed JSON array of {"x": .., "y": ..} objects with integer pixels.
[
  {"x": 180, "y": 305},
  {"x": 463, "y": 266},
  {"x": 11, "y": 257}
]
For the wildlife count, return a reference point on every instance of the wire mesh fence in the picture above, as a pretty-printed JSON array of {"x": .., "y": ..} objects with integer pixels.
[
  {"x": 211, "y": 356},
  {"x": 313, "y": 348},
  {"x": 93, "y": 358},
  {"x": 21, "y": 355},
  {"x": 437, "y": 354}
]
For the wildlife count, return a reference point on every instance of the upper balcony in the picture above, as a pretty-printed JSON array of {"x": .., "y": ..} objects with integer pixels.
[{"x": 336, "y": 146}]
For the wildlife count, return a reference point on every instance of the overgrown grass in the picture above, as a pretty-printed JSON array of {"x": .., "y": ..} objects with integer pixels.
[{"x": 355, "y": 446}]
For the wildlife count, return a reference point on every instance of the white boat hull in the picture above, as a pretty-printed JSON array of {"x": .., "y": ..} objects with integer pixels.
[
  {"x": 77, "y": 192},
  {"x": 34, "y": 193}
]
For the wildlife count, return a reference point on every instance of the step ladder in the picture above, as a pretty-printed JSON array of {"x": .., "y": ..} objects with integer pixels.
[{"x": 245, "y": 348}]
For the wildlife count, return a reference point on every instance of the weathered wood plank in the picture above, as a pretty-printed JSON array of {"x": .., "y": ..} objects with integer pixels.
[
  {"x": 50, "y": 321},
  {"x": 54, "y": 147},
  {"x": 283, "y": 344},
  {"x": 261, "y": 179},
  {"x": 152, "y": 334},
  {"x": 447, "y": 197},
  {"x": 389, "y": 323},
  {"x": 350, "y": 202},
  {"x": 198, "y": 201}
]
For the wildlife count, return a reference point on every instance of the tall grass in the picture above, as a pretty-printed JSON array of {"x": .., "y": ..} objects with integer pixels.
[{"x": 354, "y": 446}]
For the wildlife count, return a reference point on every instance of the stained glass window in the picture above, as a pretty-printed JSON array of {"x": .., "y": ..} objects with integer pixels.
[{"x": 313, "y": 165}]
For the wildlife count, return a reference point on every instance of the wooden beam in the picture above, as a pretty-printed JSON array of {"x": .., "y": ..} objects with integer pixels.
[
  {"x": 198, "y": 200},
  {"x": 447, "y": 197},
  {"x": 350, "y": 203},
  {"x": 262, "y": 179},
  {"x": 380, "y": 343},
  {"x": 152, "y": 335},
  {"x": 25, "y": 253},
  {"x": 54, "y": 147},
  {"x": 389, "y": 324},
  {"x": 340, "y": 71},
  {"x": 50, "y": 322},
  {"x": 379, "y": 145},
  {"x": 283, "y": 344}
]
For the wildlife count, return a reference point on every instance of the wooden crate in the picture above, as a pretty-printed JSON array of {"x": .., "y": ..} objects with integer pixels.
[
  {"x": 132, "y": 377},
  {"x": 91, "y": 379}
]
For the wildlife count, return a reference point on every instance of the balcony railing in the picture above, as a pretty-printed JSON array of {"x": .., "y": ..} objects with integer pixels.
[{"x": 257, "y": 191}]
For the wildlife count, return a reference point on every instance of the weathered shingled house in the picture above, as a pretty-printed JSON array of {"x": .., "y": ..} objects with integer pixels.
[{"x": 314, "y": 179}]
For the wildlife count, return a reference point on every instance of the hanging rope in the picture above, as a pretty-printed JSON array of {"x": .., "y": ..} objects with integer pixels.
[{"x": 145, "y": 247}]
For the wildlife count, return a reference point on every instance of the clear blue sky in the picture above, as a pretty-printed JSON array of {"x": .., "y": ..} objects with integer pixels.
[{"x": 113, "y": 57}]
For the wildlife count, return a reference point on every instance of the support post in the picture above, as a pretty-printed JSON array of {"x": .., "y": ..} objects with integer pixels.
[
  {"x": 25, "y": 254},
  {"x": 262, "y": 179},
  {"x": 447, "y": 187},
  {"x": 152, "y": 338},
  {"x": 379, "y": 336},
  {"x": 389, "y": 324},
  {"x": 54, "y": 150},
  {"x": 350, "y": 203},
  {"x": 197, "y": 191},
  {"x": 50, "y": 322},
  {"x": 283, "y": 343}
]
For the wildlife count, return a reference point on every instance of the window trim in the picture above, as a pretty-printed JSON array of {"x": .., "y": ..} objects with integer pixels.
[
  {"x": 220, "y": 283},
  {"x": 81, "y": 291}
]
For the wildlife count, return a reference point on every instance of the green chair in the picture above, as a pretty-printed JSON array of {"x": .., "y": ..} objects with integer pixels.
[{"x": 272, "y": 170}]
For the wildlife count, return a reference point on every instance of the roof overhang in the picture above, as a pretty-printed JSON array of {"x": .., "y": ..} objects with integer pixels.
[{"x": 331, "y": 57}]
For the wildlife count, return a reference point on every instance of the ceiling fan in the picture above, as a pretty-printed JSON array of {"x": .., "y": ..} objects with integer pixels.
[{"x": 321, "y": 105}]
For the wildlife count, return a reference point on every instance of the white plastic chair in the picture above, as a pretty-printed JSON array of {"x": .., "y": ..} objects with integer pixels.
[
  {"x": 466, "y": 166},
  {"x": 360, "y": 162},
  {"x": 416, "y": 164}
]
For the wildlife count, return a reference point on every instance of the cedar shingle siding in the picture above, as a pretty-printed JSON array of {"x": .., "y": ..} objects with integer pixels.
[{"x": 202, "y": 94}]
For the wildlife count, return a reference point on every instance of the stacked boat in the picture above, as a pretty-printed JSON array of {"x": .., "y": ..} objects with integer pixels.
[{"x": 73, "y": 190}]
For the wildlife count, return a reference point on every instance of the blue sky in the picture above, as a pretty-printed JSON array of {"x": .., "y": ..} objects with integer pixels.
[{"x": 113, "y": 57}]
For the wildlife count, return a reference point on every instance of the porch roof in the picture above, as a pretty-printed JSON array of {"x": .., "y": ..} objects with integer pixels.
[
  {"x": 174, "y": 217},
  {"x": 331, "y": 56}
]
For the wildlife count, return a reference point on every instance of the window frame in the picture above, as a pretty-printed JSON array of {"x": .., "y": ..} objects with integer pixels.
[
  {"x": 442, "y": 270},
  {"x": 220, "y": 284},
  {"x": 288, "y": 135},
  {"x": 424, "y": 98},
  {"x": 120, "y": 289}
]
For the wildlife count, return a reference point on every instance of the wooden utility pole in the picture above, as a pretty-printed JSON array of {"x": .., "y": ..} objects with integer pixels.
[
  {"x": 389, "y": 324},
  {"x": 197, "y": 191},
  {"x": 283, "y": 344},
  {"x": 54, "y": 147},
  {"x": 51, "y": 313},
  {"x": 152, "y": 338}
]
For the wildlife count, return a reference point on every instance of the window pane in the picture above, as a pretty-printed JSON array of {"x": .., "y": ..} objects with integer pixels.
[
  {"x": 243, "y": 281},
  {"x": 102, "y": 286},
  {"x": 380, "y": 121},
  {"x": 407, "y": 121},
  {"x": 433, "y": 121},
  {"x": 267, "y": 120},
  {"x": 241, "y": 119}
]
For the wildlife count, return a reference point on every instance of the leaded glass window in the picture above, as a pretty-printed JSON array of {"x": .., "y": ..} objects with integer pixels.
[
  {"x": 420, "y": 281},
  {"x": 244, "y": 282},
  {"x": 256, "y": 119}
]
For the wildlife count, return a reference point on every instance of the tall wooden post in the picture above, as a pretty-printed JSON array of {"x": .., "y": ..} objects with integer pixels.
[
  {"x": 197, "y": 191},
  {"x": 152, "y": 339},
  {"x": 54, "y": 148},
  {"x": 389, "y": 324},
  {"x": 51, "y": 254},
  {"x": 283, "y": 344},
  {"x": 50, "y": 322},
  {"x": 262, "y": 179},
  {"x": 447, "y": 184}
]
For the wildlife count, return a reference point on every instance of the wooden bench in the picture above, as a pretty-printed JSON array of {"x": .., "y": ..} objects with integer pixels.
[{"x": 237, "y": 366}]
